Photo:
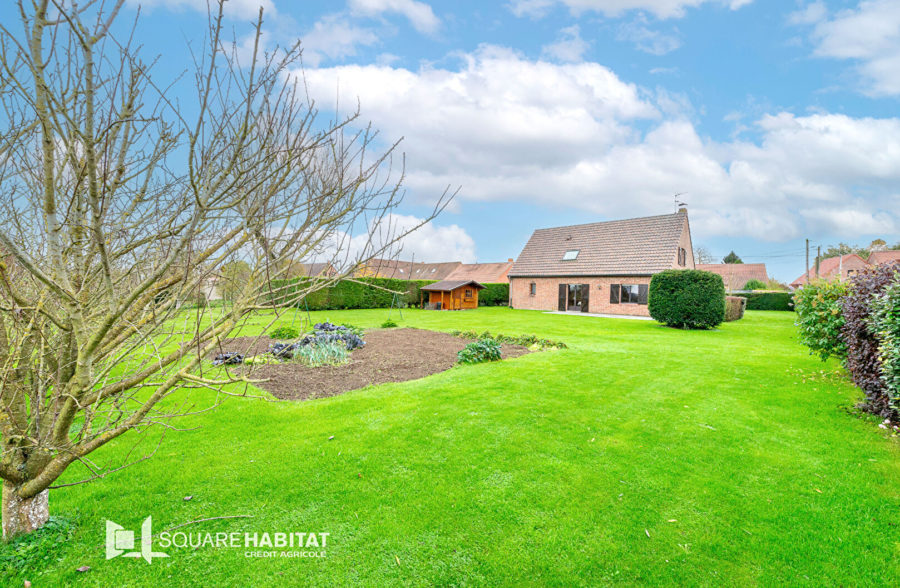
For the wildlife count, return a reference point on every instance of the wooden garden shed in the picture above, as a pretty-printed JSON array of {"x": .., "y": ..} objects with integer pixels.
[{"x": 452, "y": 294}]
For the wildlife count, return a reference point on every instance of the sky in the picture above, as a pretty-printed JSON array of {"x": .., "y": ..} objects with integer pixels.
[{"x": 775, "y": 121}]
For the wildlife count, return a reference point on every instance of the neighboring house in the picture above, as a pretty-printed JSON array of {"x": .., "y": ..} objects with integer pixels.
[
  {"x": 879, "y": 257},
  {"x": 406, "y": 270},
  {"x": 599, "y": 267},
  {"x": 841, "y": 267},
  {"x": 485, "y": 273},
  {"x": 453, "y": 294},
  {"x": 736, "y": 275},
  {"x": 299, "y": 269}
]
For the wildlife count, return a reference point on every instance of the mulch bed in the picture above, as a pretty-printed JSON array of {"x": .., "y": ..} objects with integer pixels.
[{"x": 390, "y": 355}]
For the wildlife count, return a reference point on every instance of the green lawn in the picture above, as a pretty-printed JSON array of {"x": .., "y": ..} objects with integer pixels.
[{"x": 640, "y": 455}]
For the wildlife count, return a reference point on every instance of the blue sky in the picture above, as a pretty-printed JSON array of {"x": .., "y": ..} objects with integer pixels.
[{"x": 777, "y": 119}]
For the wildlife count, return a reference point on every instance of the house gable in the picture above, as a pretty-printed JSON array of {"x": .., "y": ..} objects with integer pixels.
[{"x": 638, "y": 246}]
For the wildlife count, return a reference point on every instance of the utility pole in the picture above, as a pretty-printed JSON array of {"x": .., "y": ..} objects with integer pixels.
[
  {"x": 807, "y": 261},
  {"x": 818, "y": 257}
]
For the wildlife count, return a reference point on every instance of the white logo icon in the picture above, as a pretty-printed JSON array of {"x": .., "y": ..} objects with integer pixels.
[{"x": 120, "y": 541}]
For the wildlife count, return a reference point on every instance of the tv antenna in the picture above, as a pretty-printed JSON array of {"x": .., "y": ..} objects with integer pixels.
[{"x": 678, "y": 203}]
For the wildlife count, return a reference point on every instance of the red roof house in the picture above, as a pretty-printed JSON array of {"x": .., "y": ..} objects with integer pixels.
[
  {"x": 841, "y": 268},
  {"x": 736, "y": 275}
]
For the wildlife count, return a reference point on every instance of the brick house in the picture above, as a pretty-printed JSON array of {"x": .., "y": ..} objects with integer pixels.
[
  {"x": 841, "y": 268},
  {"x": 485, "y": 273},
  {"x": 599, "y": 267},
  {"x": 406, "y": 270},
  {"x": 880, "y": 257}
]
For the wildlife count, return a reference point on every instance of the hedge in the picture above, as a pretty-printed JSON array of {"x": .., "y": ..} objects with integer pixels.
[
  {"x": 352, "y": 294},
  {"x": 690, "y": 299},
  {"x": 734, "y": 308},
  {"x": 494, "y": 295},
  {"x": 347, "y": 294},
  {"x": 769, "y": 300}
]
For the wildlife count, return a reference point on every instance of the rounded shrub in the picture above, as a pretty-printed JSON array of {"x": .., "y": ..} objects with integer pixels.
[
  {"x": 284, "y": 332},
  {"x": 479, "y": 351},
  {"x": 820, "y": 319},
  {"x": 687, "y": 299},
  {"x": 755, "y": 285}
]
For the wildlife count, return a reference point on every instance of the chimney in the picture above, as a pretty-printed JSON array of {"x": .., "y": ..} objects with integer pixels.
[
  {"x": 682, "y": 209},
  {"x": 509, "y": 260}
]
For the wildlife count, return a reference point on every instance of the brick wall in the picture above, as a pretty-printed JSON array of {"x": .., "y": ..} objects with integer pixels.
[{"x": 547, "y": 295}]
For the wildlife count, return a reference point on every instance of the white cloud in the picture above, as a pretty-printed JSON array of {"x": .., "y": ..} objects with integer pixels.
[
  {"x": 419, "y": 14},
  {"x": 569, "y": 47},
  {"x": 432, "y": 242},
  {"x": 577, "y": 136},
  {"x": 868, "y": 34},
  {"x": 851, "y": 221},
  {"x": 248, "y": 9},
  {"x": 809, "y": 14},
  {"x": 646, "y": 39},
  {"x": 335, "y": 37},
  {"x": 615, "y": 8}
]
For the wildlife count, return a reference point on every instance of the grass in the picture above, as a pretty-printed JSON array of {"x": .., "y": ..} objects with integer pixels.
[{"x": 641, "y": 454}]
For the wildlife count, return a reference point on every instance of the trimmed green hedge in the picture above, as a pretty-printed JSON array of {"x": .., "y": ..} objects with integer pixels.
[
  {"x": 346, "y": 294},
  {"x": 769, "y": 300},
  {"x": 494, "y": 295},
  {"x": 690, "y": 299}
]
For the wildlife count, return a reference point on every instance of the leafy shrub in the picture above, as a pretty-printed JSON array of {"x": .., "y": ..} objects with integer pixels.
[
  {"x": 862, "y": 344},
  {"x": 353, "y": 329},
  {"x": 885, "y": 323},
  {"x": 329, "y": 333},
  {"x": 323, "y": 353},
  {"x": 284, "y": 333},
  {"x": 773, "y": 284},
  {"x": 523, "y": 340},
  {"x": 388, "y": 324},
  {"x": 819, "y": 316},
  {"x": 734, "y": 308},
  {"x": 35, "y": 552},
  {"x": 494, "y": 295},
  {"x": 479, "y": 351},
  {"x": 323, "y": 333},
  {"x": 769, "y": 301},
  {"x": 261, "y": 360},
  {"x": 754, "y": 285},
  {"x": 689, "y": 299}
]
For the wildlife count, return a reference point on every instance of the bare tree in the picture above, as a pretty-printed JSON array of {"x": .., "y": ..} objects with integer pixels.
[
  {"x": 702, "y": 255},
  {"x": 119, "y": 204}
]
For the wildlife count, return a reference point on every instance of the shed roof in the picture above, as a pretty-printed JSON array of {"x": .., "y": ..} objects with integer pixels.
[{"x": 450, "y": 285}]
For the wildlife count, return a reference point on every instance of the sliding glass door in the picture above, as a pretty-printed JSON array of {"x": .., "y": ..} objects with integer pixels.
[{"x": 578, "y": 297}]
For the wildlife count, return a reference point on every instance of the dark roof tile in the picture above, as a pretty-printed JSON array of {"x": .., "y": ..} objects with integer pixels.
[{"x": 637, "y": 246}]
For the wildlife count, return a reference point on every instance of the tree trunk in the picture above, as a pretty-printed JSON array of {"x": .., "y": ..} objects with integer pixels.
[{"x": 23, "y": 515}]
